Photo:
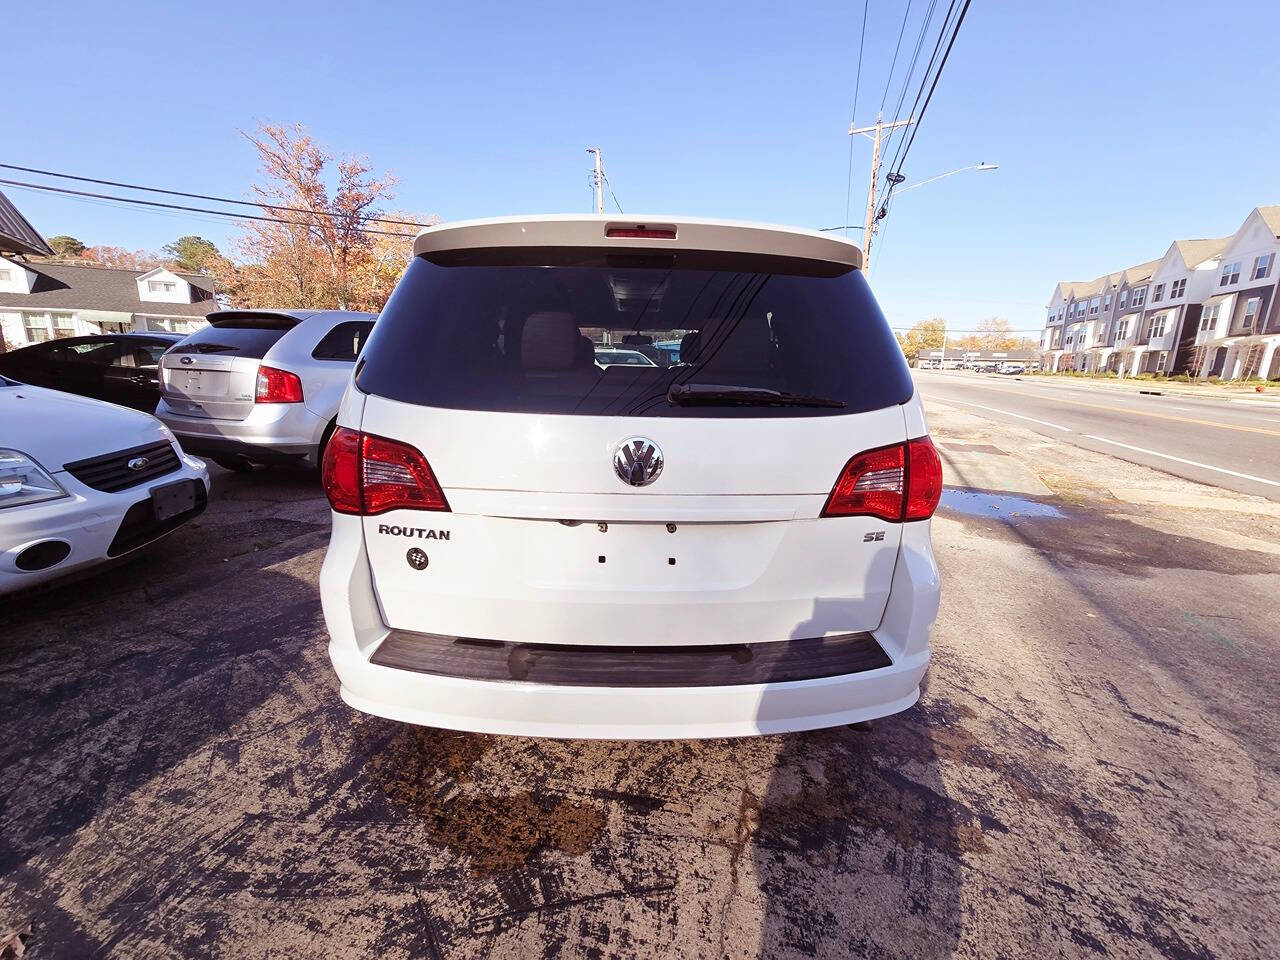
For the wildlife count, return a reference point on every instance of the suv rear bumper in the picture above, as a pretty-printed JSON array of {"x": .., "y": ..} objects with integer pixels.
[
  {"x": 271, "y": 433},
  {"x": 523, "y": 708},
  {"x": 630, "y": 713}
]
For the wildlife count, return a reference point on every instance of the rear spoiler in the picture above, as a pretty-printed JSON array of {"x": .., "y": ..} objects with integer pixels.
[{"x": 254, "y": 319}]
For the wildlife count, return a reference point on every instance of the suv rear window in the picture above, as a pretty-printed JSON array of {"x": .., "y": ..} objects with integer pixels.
[
  {"x": 546, "y": 331},
  {"x": 247, "y": 337}
]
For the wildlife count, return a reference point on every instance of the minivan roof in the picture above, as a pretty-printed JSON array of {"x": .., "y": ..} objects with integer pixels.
[{"x": 594, "y": 230}]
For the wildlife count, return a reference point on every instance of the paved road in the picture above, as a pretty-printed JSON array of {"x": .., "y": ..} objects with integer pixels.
[
  {"x": 1221, "y": 442},
  {"x": 1093, "y": 770}
]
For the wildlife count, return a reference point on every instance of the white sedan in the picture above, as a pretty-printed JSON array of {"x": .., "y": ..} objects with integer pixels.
[{"x": 83, "y": 482}]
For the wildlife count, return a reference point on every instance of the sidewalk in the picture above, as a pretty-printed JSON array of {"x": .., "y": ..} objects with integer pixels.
[{"x": 1240, "y": 394}]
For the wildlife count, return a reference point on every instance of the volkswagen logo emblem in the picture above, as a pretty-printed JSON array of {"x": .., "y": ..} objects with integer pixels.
[
  {"x": 637, "y": 461},
  {"x": 188, "y": 361},
  {"x": 137, "y": 463}
]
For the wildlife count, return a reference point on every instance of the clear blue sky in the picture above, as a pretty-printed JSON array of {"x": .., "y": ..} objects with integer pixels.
[{"x": 1118, "y": 127}]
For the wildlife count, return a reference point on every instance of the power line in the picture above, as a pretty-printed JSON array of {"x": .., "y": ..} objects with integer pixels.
[
  {"x": 610, "y": 186},
  {"x": 173, "y": 206},
  {"x": 894, "y": 165},
  {"x": 955, "y": 32},
  {"x": 889, "y": 79},
  {"x": 194, "y": 196},
  {"x": 911, "y": 68},
  {"x": 853, "y": 116}
]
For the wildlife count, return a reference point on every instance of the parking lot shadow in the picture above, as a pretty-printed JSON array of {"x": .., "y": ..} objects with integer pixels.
[
  {"x": 99, "y": 698},
  {"x": 855, "y": 842}
]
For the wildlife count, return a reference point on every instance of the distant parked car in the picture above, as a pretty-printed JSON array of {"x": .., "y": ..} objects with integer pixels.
[
  {"x": 120, "y": 368},
  {"x": 261, "y": 386},
  {"x": 1013, "y": 368},
  {"x": 627, "y": 358},
  {"x": 83, "y": 482}
]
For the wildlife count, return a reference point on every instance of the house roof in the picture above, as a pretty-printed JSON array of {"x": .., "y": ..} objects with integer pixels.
[
  {"x": 1143, "y": 271},
  {"x": 17, "y": 235},
  {"x": 1271, "y": 217},
  {"x": 1195, "y": 252},
  {"x": 63, "y": 286}
]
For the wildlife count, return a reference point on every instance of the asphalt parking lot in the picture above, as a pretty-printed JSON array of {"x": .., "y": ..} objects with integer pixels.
[{"x": 1093, "y": 770}]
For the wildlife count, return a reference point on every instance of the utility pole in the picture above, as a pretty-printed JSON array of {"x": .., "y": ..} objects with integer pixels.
[
  {"x": 599, "y": 179},
  {"x": 875, "y": 132}
]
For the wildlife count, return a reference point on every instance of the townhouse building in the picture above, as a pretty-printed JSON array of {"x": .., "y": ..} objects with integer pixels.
[
  {"x": 1237, "y": 336},
  {"x": 1208, "y": 307}
]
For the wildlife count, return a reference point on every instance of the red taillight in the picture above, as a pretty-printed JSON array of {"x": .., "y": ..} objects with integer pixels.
[
  {"x": 641, "y": 232},
  {"x": 368, "y": 475},
  {"x": 340, "y": 471},
  {"x": 896, "y": 483},
  {"x": 869, "y": 484},
  {"x": 277, "y": 386},
  {"x": 924, "y": 479},
  {"x": 395, "y": 476}
]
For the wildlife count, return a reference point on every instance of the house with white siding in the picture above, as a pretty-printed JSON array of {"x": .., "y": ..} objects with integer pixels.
[
  {"x": 1237, "y": 336},
  {"x": 42, "y": 300}
]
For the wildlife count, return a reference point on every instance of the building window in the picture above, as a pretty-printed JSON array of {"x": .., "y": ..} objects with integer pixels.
[
  {"x": 1093, "y": 306},
  {"x": 64, "y": 325},
  {"x": 1261, "y": 266},
  {"x": 6, "y": 276},
  {"x": 1177, "y": 289},
  {"x": 1139, "y": 296},
  {"x": 1156, "y": 328},
  {"x": 1158, "y": 293},
  {"x": 1209, "y": 318},
  {"x": 1106, "y": 302},
  {"x": 1123, "y": 330},
  {"x": 37, "y": 327},
  {"x": 1164, "y": 358},
  {"x": 161, "y": 286},
  {"x": 1124, "y": 299},
  {"x": 1230, "y": 273},
  {"x": 1251, "y": 308}
]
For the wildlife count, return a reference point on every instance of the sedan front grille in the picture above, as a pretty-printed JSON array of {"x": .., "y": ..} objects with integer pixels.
[{"x": 112, "y": 471}]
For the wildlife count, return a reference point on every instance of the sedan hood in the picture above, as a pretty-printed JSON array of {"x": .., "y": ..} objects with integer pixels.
[{"x": 57, "y": 428}]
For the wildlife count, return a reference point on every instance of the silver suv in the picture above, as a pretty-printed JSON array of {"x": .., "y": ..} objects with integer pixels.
[{"x": 260, "y": 386}]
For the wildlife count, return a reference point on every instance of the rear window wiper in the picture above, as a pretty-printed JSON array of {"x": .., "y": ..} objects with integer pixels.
[
  {"x": 205, "y": 348},
  {"x": 681, "y": 393}
]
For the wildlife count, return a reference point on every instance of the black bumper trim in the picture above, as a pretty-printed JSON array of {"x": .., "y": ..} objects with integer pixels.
[
  {"x": 140, "y": 527},
  {"x": 710, "y": 665},
  {"x": 229, "y": 448}
]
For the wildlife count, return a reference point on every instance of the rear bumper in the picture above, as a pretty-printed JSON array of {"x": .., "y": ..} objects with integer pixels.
[
  {"x": 522, "y": 708},
  {"x": 628, "y": 713},
  {"x": 271, "y": 433}
]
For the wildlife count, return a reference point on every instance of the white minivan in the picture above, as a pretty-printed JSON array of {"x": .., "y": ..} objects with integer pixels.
[{"x": 527, "y": 543}]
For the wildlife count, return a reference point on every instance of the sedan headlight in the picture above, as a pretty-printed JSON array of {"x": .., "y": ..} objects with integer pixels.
[{"x": 24, "y": 481}]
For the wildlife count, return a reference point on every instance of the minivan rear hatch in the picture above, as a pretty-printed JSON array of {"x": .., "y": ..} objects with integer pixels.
[
  {"x": 767, "y": 374},
  {"x": 214, "y": 372}
]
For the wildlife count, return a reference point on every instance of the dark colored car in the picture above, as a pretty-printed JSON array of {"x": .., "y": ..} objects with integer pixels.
[{"x": 120, "y": 368}]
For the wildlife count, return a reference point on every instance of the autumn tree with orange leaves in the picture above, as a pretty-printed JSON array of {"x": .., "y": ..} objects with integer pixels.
[{"x": 324, "y": 246}]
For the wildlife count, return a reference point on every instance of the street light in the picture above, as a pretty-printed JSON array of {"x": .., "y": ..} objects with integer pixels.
[{"x": 980, "y": 167}]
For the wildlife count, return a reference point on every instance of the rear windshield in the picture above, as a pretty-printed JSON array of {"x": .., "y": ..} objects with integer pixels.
[
  {"x": 240, "y": 338},
  {"x": 581, "y": 332}
]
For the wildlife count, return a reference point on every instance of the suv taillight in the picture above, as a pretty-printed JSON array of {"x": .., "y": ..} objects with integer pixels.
[
  {"x": 367, "y": 475},
  {"x": 277, "y": 386},
  {"x": 895, "y": 483}
]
